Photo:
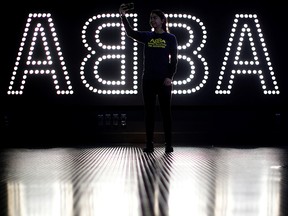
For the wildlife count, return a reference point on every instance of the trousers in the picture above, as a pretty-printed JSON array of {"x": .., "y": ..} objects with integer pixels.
[{"x": 153, "y": 90}]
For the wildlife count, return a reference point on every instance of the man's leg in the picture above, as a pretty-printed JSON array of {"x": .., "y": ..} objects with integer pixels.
[
  {"x": 165, "y": 95},
  {"x": 149, "y": 98}
]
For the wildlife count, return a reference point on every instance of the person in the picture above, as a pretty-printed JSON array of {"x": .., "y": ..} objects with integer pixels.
[{"x": 160, "y": 66}]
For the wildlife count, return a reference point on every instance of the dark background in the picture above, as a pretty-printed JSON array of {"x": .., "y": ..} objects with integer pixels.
[{"x": 40, "y": 114}]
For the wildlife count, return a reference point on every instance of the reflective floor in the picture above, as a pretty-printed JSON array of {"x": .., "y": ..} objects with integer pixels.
[{"x": 121, "y": 180}]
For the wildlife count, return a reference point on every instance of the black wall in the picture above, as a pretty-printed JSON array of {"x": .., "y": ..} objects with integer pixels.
[{"x": 246, "y": 110}]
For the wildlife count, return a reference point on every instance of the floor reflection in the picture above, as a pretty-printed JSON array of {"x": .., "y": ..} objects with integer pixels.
[{"x": 125, "y": 181}]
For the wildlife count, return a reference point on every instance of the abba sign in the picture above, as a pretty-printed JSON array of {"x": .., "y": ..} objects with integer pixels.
[{"x": 40, "y": 54}]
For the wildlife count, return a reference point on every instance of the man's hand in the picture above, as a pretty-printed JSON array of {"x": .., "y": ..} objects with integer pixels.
[
  {"x": 168, "y": 82},
  {"x": 123, "y": 9}
]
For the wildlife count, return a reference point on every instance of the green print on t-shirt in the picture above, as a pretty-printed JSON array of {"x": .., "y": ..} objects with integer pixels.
[{"x": 158, "y": 43}]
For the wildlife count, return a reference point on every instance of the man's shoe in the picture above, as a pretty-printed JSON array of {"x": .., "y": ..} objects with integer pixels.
[
  {"x": 168, "y": 149},
  {"x": 148, "y": 149}
]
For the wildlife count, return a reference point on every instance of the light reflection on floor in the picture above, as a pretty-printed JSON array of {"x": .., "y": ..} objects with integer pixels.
[{"x": 124, "y": 181}]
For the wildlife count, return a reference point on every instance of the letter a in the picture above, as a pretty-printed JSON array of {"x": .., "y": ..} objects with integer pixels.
[
  {"x": 40, "y": 55},
  {"x": 247, "y": 55}
]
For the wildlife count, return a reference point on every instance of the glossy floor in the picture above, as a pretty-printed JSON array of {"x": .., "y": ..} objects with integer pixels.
[{"x": 122, "y": 180}]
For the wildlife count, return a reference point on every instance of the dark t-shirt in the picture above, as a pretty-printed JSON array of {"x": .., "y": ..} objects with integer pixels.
[{"x": 160, "y": 52}]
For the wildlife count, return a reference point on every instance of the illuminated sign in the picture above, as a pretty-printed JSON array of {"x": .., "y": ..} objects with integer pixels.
[{"x": 40, "y": 54}]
